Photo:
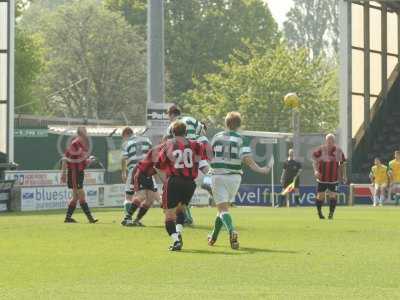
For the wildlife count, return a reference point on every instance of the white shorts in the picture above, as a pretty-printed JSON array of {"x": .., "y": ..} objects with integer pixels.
[
  {"x": 380, "y": 186},
  {"x": 225, "y": 187},
  {"x": 129, "y": 187}
]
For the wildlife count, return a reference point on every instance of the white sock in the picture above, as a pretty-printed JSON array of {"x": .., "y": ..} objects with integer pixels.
[
  {"x": 179, "y": 228},
  {"x": 175, "y": 237},
  {"x": 376, "y": 199},
  {"x": 382, "y": 199}
]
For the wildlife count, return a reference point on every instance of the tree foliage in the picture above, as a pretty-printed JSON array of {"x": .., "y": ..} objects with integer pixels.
[
  {"x": 95, "y": 63},
  {"x": 199, "y": 33},
  {"x": 28, "y": 65},
  {"x": 255, "y": 85},
  {"x": 314, "y": 25}
]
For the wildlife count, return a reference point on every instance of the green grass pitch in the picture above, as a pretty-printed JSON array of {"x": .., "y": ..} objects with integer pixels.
[{"x": 285, "y": 254}]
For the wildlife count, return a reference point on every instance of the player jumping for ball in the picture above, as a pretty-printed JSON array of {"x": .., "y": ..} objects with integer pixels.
[
  {"x": 76, "y": 158},
  {"x": 135, "y": 149},
  {"x": 180, "y": 159},
  {"x": 230, "y": 151},
  {"x": 329, "y": 169}
]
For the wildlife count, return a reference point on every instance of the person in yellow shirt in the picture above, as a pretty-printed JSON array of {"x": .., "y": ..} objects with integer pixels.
[
  {"x": 379, "y": 178},
  {"x": 394, "y": 174}
]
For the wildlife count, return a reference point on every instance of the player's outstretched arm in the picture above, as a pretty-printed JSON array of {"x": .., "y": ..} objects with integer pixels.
[{"x": 249, "y": 161}]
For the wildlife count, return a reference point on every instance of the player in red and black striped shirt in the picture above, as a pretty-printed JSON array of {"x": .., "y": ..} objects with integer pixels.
[
  {"x": 329, "y": 169},
  {"x": 180, "y": 159},
  {"x": 74, "y": 163}
]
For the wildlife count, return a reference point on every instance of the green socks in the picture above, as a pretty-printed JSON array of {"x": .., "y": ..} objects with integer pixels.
[
  {"x": 397, "y": 199},
  {"x": 188, "y": 215},
  {"x": 217, "y": 228},
  {"x": 227, "y": 220},
  {"x": 127, "y": 206}
]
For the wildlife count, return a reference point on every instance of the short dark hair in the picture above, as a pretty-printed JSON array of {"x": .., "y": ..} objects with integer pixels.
[
  {"x": 179, "y": 128},
  {"x": 174, "y": 110}
]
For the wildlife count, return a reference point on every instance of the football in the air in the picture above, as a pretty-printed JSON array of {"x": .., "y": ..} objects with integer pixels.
[{"x": 291, "y": 100}]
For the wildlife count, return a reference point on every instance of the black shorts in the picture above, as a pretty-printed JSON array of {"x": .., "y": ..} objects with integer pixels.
[
  {"x": 178, "y": 190},
  {"x": 323, "y": 187},
  {"x": 296, "y": 184},
  {"x": 145, "y": 183},
  {"x": 75, "y": 179}
]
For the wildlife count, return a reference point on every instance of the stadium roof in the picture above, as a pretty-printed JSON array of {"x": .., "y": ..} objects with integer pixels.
[{"x": 391, "y": 4}]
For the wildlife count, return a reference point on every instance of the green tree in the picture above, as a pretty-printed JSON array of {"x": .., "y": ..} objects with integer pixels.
[
  {"x": 313, "y": 25},
  {"x": 199, "y": 33},
  {"x": 95, "y": 63},
  {"x": 28, "y": 65},
  {"x": 256, "y": 85}
]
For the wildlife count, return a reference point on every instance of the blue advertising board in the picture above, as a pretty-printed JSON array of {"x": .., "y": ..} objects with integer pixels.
[{"x": 260, "y": 195}]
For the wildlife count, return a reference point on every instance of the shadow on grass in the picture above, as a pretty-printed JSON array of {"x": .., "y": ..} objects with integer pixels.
[
  {"x": 241, "y": 251},
  {"x": 194, "y": 251},
  {"x": 261, "y": 250}
]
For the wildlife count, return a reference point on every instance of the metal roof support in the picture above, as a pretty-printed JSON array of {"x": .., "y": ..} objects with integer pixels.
[
  {"x": 367, "y": 88},
  {"x": 384, "y": 50}
]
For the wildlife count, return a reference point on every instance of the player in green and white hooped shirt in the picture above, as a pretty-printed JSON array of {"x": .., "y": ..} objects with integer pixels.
[
  {"x": 135, "y": 149},
  {"x": 193, "y": 132},
  {"x": 230, "y": 150}
]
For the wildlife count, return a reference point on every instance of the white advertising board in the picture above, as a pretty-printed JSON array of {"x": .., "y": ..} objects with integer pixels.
[
  {"x": 49, "y": 177},
  {"x": 57, "y": 197}
]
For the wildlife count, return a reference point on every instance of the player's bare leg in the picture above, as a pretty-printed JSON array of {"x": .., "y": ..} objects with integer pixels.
[
  {"x": 382, "y": 195},
  {"x": 137, "y": 200},
  {"x": 319, "y": 201},
  {"x": 170, "y": 226},
  {"x": 85, "y": 206},
  {"x": 71, "y": 207},
  {"x": 150, "y": 197}
]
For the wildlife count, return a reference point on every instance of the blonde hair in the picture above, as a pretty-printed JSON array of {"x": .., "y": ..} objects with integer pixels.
[{"x": 81, "y": 131}]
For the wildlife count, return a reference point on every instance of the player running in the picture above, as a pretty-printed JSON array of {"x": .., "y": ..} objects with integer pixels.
[
  {"x": 230, "y": 151},
  {"x": 379, "y": 179},
  {"x": 75, "y": 160},
  {"x": 195, "y": 130},
  {"x": 180, "y": 158},
  {"x": 135, "y": 149},
  {"x": 394, "y": 173},
  {"x": 329, "y": 168}
]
